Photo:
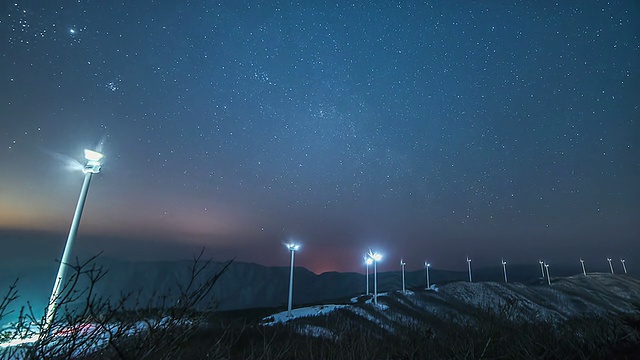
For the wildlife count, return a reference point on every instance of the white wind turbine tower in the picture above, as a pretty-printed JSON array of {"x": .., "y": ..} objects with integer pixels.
[
  {"x": 610, "y": 266},
  {"x": 293, "y": 247},
  {"x": 375, "y": 257},
  {"x": 426, "y": 269},
  {"x": 92, "y": 166},
  {"x": 584, "y": 272},
  {"x": 548, "y": 277},
  {"x": 469, "y": 266},
  {"x": 504, "y": 269},
  {"x": 367, "y": 261},
  {"x": 402, "y": 265},
  {"x": 624, "y": 267},
  {"x": 541, "y": 267}
]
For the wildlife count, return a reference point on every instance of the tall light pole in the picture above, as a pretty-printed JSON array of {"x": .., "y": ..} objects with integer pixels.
[
  {"x": 624, "y": 267},
  {"x": 584, "y": 272},
  {"x": 426, "y": 269},
  {"x": 548, "y": 277},
  {"x": 469, "y": 265},
  {"x": 293, "y": 247},
  {"x": 93, "y": 165},
  {"x": 367, "y": 261},
  {"x": 504, "y": 269},
  {"x": 375, "y": 257},
  {"x": 610, "y": 266},
  {"x": 402, "y": 265},
  {"x": 541, "y": 267}
]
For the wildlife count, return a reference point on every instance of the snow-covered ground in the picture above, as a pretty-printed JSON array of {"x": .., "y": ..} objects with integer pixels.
[
  {"x": 460, "y": 302},
  {"x": 283, "y": 317}
]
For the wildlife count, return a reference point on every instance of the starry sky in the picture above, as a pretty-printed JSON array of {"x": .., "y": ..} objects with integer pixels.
[{"x": 423, "y": 129}]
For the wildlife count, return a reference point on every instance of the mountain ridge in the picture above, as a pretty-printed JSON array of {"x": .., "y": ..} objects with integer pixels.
[{"x": 251, "y": 285}]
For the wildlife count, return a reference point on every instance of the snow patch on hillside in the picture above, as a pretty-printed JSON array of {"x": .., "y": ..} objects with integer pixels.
[{"x": 317, "y": 310}]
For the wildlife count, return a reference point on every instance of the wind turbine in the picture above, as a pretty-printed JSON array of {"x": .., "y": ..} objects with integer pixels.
[
  {"x": 469, "y": 265},
  {"x": 293, "y": 247},
  {"x": 541, "y": 267},
  {"x": 548, "y": 277},
  {"x": 610, "y": 266},
  {"x": 92, "y": 166},
  {"x": 402, "y": 265},
  {"x": 426, "y": 269},
  {"x": 375, "y": 257},
  {"x": 584, "y": 272},
  {"x": 624, "y": 267},
  {"x": 504, "y": 269},
  {"x": 367, "y": 261}
]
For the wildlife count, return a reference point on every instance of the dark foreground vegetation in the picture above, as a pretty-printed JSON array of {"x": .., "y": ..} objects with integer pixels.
[
  {"x": 174, "y": 325},
  {"x": 489, "y": 338}
]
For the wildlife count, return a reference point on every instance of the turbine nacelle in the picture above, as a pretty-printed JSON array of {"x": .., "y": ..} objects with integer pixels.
[
  {"x": 374, "y": 256},
  {"x": 94, "y": 161},
  {"x": 292, "y": 246}
]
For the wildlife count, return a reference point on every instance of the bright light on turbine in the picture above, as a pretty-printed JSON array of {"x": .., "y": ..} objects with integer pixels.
[
  {"x": 293, "y": 246},
  {"x": 92, "y": 155}
]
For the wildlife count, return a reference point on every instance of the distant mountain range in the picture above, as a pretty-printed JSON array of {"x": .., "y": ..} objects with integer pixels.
[{"x": 248, "y": 285}]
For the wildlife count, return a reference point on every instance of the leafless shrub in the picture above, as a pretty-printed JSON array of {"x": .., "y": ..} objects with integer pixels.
[{"x": 91, "y": 326}]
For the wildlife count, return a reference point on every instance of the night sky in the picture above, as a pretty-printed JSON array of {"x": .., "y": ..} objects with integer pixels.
[{"x": 425, "y": 130}]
